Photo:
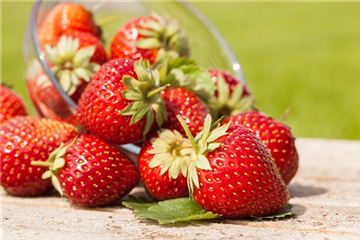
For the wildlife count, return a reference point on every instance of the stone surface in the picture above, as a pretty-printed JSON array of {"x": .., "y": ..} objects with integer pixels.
[{"x": 325, "y": 195}]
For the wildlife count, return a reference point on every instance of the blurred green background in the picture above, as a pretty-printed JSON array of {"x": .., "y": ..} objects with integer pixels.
[{"x": 303, "y": 56}]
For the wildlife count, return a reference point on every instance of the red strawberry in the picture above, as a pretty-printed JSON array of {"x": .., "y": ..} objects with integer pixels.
[
  {"x": 74, "y": 60},
  {"x": 276, "y": 136},
  {"x": 65, "y": 18},
  {"x": 26, "y": 139},
  {"x": 143, "y": 38},
  {"x": 121, "y": 102},
  {"x": 163, "y": 164},
  {"x": 91, "y": 172},
  {"x": 181, "y": 101},
  {"x": 232, "y": 95},
  {"x": 233, "y": 174},
  {"x": 47, "y": 100},
  {"x": 11, "y": 104}
]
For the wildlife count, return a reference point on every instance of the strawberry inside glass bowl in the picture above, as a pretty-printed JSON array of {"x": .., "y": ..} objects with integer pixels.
[{"x": 207, "y": 47}]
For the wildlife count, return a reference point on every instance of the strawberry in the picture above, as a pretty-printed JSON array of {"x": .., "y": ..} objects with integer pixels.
[
  {"x": 74, "y": 60},
  {"x": 121, "y": 102},
  {"x": 232, "y": 96},
  {"x": 66, "y": 18},
  {"x": 25, "y": 139},
  {"x": 182, "y": 101},
  {"x": 40, "y": 88},
  {"x": 232, "y": 173},
  {"x": 143, "y": 38},
  {"x": 159, "y": 163},
  {"x": 90, "y": 172},
  {"x": 276, "y": 136},
  {"x": 11, "y": 104}
]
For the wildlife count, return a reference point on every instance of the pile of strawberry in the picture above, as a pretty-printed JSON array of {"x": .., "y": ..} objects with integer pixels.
[{"x": 200, "y": 133}]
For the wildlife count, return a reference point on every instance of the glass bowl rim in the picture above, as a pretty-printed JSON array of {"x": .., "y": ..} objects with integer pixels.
[{"x": 40, "y": 55}]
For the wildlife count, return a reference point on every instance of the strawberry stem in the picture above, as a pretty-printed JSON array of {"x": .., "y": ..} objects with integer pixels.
[
  {"x": 188, "y": 133},
  {"x": 157, "y": 90},
  {"x": 42, "y": 164},
  {"x": 110, "y": 19},
  {"x": 215, "y": 124},
  {"x": 285, "y": 114}
]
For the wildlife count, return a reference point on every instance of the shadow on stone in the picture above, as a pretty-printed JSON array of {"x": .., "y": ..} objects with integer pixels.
[
  {"x": 300, "y": 190},
  {"x": 298, "y": 209}
]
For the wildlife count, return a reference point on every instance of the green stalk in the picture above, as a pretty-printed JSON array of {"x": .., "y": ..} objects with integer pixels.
[
  {"x": 41, "y": 164},
  {"x": 285, "y": 114},
  {"x": 188, "y": 133},
  {"x": 156, "y": 91},
  {"x": 110, "y": 19},
  {"x": 215, "y": 124}
]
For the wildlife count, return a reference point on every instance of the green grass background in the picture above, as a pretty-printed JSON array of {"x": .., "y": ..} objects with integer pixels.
[{"x": 305, "y": 56}]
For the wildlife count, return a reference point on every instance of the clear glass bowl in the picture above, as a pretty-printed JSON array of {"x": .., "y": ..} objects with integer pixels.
[{"x": 207, "y": 47}]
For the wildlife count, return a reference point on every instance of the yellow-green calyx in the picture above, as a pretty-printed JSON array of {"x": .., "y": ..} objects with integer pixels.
[
  {"x": 226, "y": 104},
  {"x": 55, "y": 162},
  {"x": 71, "y": 63},
  {"x": 184, "y": 72},
  {"x": 144, "y": 93},
  {"x": 159, "y": 33},
  {"x": 172, "y": 152},
  {"x": 202, "y": 144}
]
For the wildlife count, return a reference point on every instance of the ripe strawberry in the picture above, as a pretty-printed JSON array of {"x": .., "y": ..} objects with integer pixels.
[
  {"x": 11, "y": 104},
  {"x": 26, "y": 139},
  {"x": 182, "y": 101},
  {"x": 162, "y": 164},
  {"x": 91, "y": 172},
  {"x": 74, "y": 60},
  {"x": 233, "y": 174},
  {"x": 121, "y": 102},
  {"x": 65, "y": 18},
  {"x": 232, "y": 96},
  {"x": 143, "y": 38},
  {"x": 47, "y": 100},
  {"x": 276, "y": 136}
]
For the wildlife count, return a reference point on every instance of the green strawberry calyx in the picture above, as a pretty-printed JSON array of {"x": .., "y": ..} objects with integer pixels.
[
  {"x": 172, "y": 152},
  {"x": 203, "y": 143},
  {"x": 184, "y": 72},
  {"x": 55, "y": 162},
  {"x": 144, "y": 94},
  {"x": 71, "y": 64},
  {"x": 226, "y": 104},
  {"x": 157, "y": 33}
]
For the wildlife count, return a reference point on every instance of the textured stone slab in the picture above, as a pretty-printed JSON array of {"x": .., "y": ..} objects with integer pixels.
[{"x": 325, "y": 195}]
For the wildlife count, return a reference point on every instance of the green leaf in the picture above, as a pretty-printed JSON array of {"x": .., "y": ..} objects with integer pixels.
[
  {"x": 179, "y": 62},
  {"x": 83, "y": 56},
  {"x": 82, "y": 73},
  {"x": 147, "y": 33},
  {"x": 282, "y": 214},
  {"x": 131, "y": 95},
  {"x": 131, "y": 109},
  {"x": 170, "y": 211},
  {"x": 130, "y": 82},
  {"x": 139, "y": 114},
  {"x": 136, "y": 204},
  {"x": 145, "y": 96},
  {"x": 202, "y": 162},
  {"x": 59, "y": 163},
  {"x": 149, "y": 121},
  {"x": 65, "y": 80},
  {"x": 55, "y": 182},
  {"x": 148, "y": 43},
  {"x": 46, "y": 174}
]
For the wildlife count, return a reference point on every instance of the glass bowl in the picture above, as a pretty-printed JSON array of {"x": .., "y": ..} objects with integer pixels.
[{"x": 207, "y": 47}]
